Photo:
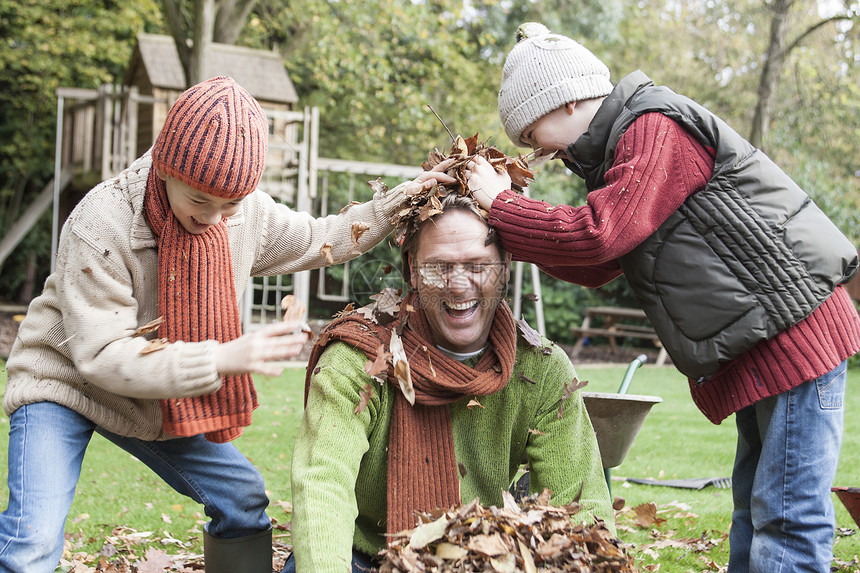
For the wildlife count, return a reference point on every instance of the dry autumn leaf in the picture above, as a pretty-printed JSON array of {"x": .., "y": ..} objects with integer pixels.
[
  {"x": 363, "y": 399},
  {"x": 530, "y": 335},
  {"x": 348, "y": 205},
  {"x": 294, "y": 309},
  {"x": 516, "y": 537},
  {"x": 401, "y": 367},
  {"x": 378, "y": 185},
  {"x": 150, "y": 326},
  {"x": 154, "y": 346},
  {"x": 357, "y": 230},
  {"x": 325, "y": 252},
  {"x": 379, "y": 364}
]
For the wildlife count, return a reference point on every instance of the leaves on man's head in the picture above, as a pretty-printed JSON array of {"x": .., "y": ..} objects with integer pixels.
[{"x": 426, "y": 203}]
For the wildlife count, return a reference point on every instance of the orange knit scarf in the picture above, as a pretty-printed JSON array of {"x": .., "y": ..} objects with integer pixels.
[
  {"x": 422, "y": 467},
  {"x": 198, "y": 302}
]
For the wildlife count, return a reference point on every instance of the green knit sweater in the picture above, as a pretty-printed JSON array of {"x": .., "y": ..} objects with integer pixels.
[{"x": 339, "y": 465}]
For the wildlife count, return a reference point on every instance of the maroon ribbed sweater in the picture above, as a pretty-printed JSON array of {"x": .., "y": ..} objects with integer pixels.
[{"x": 657, "y": 166}]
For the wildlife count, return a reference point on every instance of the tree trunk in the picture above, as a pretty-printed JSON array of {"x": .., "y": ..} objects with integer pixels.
[
  {"x": 230, "y": 19},
  {"x": 774, "y": 60},
  {"x": 204, "y": 25},
  {"x": 173, "y": 15}
]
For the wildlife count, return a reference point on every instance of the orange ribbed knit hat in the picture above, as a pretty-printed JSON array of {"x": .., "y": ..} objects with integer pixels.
[{"x": 214, "y": 139}]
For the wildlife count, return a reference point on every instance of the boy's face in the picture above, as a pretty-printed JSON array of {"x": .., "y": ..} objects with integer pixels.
[
  {"x": 459, "y": 279},
  {"x": 196, "y": 210},
  {"x": 556, "y": 130}
]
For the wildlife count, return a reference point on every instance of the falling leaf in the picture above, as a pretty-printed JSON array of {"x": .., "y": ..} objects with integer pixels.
[
  {"x": 572, "y": 387},
  {"x": 294, "y": 309},
  {"x": 350, "y": 204},
  {"x": 646, "y": 514},
  {"x": 384, "y": 307},
  {"x": 150, "y": 326},
  {"x": 530, "y": 296},
  {"x": 357, "y": 230},
  {"x": 529, "y": 334},
  {"x": 87, "y": 270},
  {"x": 401, "y": 367},
  {"x": 155, "y": 346},
  {"x": 473, "y": 402},
  {"x": 536, "y": 432},
  {"x": 463, "y": 469},
  {"x": 378, "y": 186},
  {"x": 527, "y": 379},
  {"x": 325, "y": 252},
  {"x": 346, "y": 310},
  {"x": 380, "y": 363},
  {"x": 364, "y": 399}
]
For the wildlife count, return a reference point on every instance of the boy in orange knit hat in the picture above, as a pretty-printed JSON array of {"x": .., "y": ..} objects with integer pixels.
[{"x": 137, "y": 335}]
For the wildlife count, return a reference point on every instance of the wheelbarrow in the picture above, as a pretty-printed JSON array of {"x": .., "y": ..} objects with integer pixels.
[
  {"x": 850, "y": 498},
  {"x": 617, "y": 419}
]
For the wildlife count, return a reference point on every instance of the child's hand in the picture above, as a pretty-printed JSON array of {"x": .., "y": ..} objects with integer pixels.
[
  {"x": 485, "y": 182},
  {"x": 261, "y": 351},
  {"x": 430, "y": 178}
]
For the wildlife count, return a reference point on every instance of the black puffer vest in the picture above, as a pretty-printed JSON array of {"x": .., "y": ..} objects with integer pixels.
[{"x": 743, "y": 259}]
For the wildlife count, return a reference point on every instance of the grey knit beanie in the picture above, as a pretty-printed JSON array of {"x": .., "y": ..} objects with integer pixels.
[{"x": 543, "y": 72}]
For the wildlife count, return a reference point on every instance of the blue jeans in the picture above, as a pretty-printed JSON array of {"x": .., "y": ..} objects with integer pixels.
[
  {"x": 788, "y": 448},
  {"x": 46, "y": 447}
]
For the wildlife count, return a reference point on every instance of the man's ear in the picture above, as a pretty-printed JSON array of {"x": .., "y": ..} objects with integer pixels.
[{"x": 507, "y": 267}]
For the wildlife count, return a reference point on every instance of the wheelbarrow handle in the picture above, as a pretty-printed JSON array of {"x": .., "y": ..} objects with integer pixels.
[{"x": 631, "y": 369}]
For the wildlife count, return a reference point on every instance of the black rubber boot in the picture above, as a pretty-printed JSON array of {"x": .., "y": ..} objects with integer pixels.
[{"x": 249, "y": 554}]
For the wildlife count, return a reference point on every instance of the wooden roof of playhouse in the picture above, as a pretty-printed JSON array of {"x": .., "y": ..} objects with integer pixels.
[{"x": 155, "y": 65}]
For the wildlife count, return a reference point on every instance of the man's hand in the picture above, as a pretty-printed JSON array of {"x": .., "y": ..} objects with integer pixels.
[
  {"x": 261, "y": 350},
  {"x": 485, "y": 182}
]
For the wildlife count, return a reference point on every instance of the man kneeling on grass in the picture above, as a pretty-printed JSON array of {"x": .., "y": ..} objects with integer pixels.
[{"x": 366, "y": 458}]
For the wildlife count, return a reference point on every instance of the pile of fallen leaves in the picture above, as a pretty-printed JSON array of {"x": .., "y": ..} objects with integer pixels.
[
  {"x": 426, "y": 203},
  {"x": 531, "y": 536}
]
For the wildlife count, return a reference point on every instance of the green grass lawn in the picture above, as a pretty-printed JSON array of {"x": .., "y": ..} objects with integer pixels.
[{"x": 119, "y": 500}]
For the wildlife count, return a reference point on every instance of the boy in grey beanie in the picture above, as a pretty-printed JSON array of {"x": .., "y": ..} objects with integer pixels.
[{"x": 737, "y": 269}]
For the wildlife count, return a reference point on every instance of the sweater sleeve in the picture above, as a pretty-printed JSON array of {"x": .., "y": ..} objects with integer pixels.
[
  {"x": 562, "y": 450},
  {"x": 657, "y": 166},
  {"x": 295, "y": 240},
  {"x": 329, "y": 446}
]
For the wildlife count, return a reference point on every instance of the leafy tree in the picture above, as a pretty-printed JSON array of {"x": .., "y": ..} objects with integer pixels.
[
  {"x": 374, "y": 67},
  {"x": 47, "y": 44}
]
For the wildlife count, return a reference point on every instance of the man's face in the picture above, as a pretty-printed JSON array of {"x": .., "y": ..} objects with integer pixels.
[
  {"x": 459, "y": 279},
  {"x": 197, "y": 211}
]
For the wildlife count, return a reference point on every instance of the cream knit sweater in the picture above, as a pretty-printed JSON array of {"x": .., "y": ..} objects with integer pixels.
[{"x": 76, "y": 345}]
